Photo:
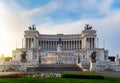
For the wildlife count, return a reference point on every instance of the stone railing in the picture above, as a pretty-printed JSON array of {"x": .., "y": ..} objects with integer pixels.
[
  {"x": 32, "y": 63},
  {"x": 10, "y": 65},
  {"x": 105, "y": 66}
]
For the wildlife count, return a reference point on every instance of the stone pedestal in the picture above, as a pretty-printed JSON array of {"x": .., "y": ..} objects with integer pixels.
[
  {"x": 23, "y": 61},
  {"x": 92, "y": 66},
  {"x": 59, "y": 48},
  {"x": 23, "y": 66}
]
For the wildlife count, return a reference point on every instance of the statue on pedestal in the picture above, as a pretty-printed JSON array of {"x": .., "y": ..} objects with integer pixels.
[
  {"x": 59, "y": 42},
  {"x": 23, "y": 56},
  {"x": 93, "y": 56},
  {"x": 59, "y": 47}
]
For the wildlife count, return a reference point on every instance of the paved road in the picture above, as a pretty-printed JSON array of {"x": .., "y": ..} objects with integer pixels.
[{"x": 110, "y": 74}]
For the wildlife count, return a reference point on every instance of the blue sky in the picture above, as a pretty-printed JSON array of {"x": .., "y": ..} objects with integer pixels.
[{"x": 61, "y": 16}]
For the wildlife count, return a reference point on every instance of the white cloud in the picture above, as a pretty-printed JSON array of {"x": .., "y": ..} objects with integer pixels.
[
  {"x": 15, "y": 19},
  {"x": 107, "y": 28},
  {"x": 104, "y": 7},
  {"x": 101, "y": 7},
  {"x": 11, "y": 24},
  {"x": 89, "y": 4},
  {"x": 42, "y": 11}
]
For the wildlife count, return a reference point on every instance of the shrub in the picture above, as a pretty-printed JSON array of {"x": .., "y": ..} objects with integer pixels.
[{"x": 81, "y": 75}]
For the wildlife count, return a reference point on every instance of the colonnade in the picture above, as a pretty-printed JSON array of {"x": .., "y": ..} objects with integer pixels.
[
  {"x": 66, "y": 45},
  {"x": 91, "y": 43},
  {"x": 29, "y": 42},
  {"x": 51, "y": 45}
]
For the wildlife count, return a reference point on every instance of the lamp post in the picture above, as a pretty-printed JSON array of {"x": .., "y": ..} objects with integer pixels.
[
  {"x": 39, "y": 50},
  {"x": 78, "y": 56},
  {"x": 86, "y": 53},
  {"x": 59, "y": 59},
  {"x": 39, "y": 58}
]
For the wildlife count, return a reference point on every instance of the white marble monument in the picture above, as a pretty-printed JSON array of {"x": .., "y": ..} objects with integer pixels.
[{"x": 69, "y": 48}]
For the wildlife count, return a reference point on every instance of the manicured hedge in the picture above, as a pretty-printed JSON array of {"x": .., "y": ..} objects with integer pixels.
[
  {"x": 81, "y": 75},
  {"x": 58, "y": 80}
]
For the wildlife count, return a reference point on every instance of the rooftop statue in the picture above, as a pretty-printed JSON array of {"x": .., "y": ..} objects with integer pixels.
[
  {"x": 88, "y": 27},
  {"x": 32, "y": 27},
  {"x": 29, "y": 27}
]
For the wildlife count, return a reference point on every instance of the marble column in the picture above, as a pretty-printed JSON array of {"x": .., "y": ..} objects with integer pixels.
[
  {"x": 26, "y": 42},
  {"x": 72, "y": 45},
  {"x": 93, "y": 42},
  {"x": 90, "y": 42},
  {"x": 46, "y": 44},
  {"x": 76, "y": 45},
  {"x": 50, "y": 45},
  {"x": 30, "y": 42},
  {"x": 53, "y": 45},
  {"x": 80, "y": 44},
  {"x": 65, "y": 45},
  {"x": 43, "y": 44},
  {"x": 69, "y": 45}
]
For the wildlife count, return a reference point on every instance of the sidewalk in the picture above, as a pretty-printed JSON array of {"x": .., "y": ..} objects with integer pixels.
[{"x": 110, "y": 73}]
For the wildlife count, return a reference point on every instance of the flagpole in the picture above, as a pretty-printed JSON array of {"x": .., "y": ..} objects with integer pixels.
[
  {"x": 39, "y": 58},
  {"x": 39, "y": 49}
]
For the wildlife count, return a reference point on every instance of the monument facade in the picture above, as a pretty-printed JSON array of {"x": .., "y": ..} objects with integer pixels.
[{"x": 60, "y": 48}]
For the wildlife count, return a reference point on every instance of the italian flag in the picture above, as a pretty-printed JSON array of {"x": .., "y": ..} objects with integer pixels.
[{"x": 39, "y": 49}]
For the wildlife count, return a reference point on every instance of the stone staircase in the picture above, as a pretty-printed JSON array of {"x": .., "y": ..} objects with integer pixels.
[{"x": 54, "y": 68}]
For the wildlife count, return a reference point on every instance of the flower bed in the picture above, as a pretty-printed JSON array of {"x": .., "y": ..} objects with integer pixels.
[
  {"x": 33, "y": 75},
  {"x": 44, "y": 75}
]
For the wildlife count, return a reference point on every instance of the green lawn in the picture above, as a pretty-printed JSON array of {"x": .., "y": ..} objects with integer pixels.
[
  {"x": 58, "y": 80},
  {"x": 82, "y": 75},
  {"x": 67, "y": 77}
]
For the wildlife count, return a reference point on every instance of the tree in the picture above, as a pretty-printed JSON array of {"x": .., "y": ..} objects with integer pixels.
[
  {"x": 2, "y": 57},
  {"x": 8, "y": 58}
]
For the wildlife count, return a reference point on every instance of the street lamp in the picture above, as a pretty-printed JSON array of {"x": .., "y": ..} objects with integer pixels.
[
  {"x": 59, "y": 59},
  {"x": 86, "y": 53},
  {"x": 39, "y": 50}
]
